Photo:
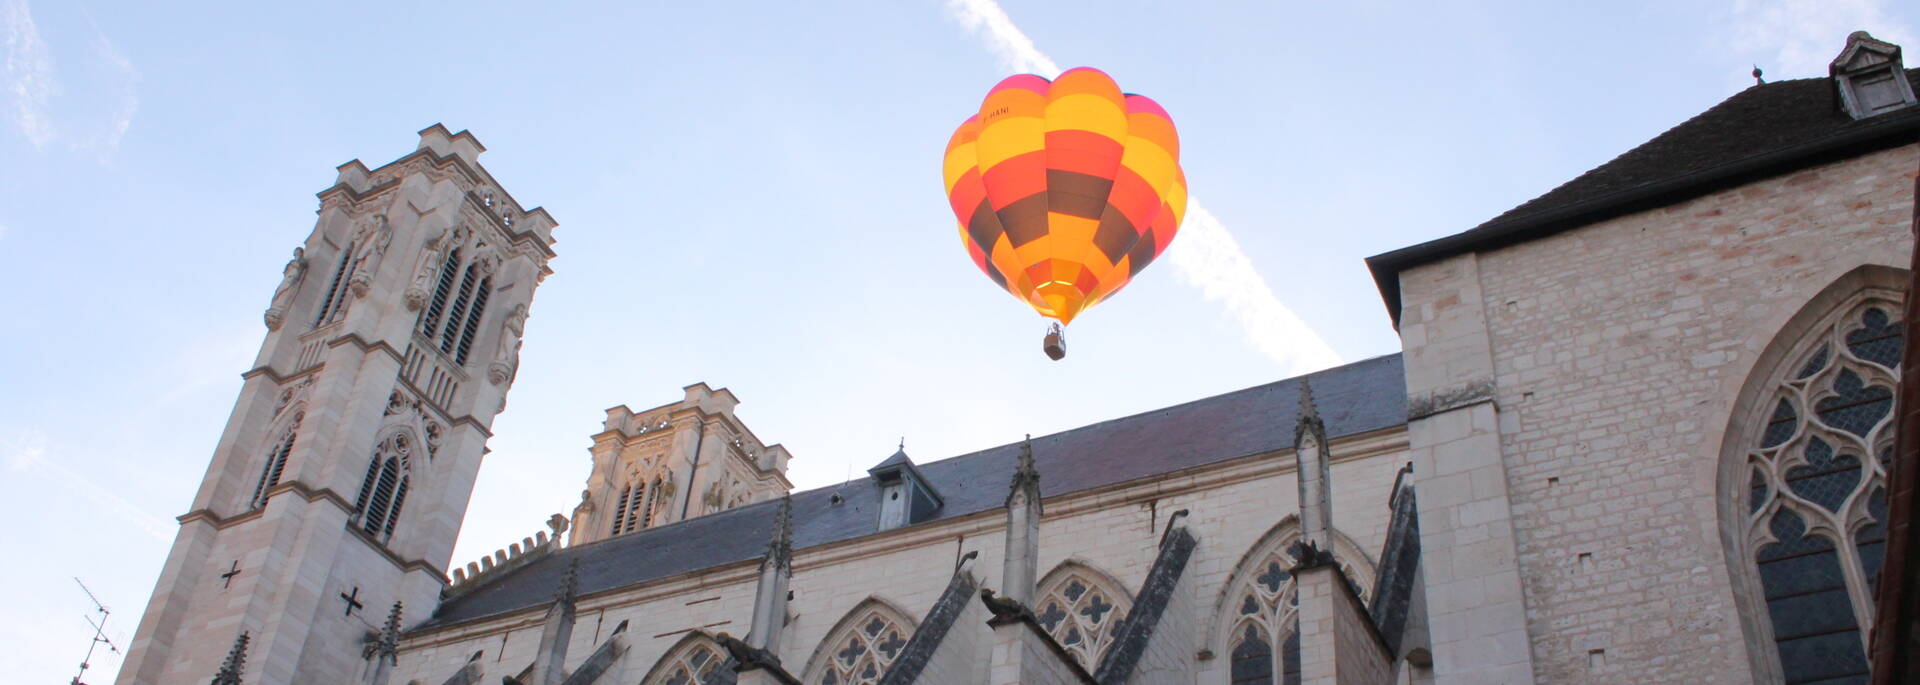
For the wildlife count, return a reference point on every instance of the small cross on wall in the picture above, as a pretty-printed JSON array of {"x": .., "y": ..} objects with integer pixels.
[
  {"x": 353, "y": 600},
  {"x": 226, "y": 579}
]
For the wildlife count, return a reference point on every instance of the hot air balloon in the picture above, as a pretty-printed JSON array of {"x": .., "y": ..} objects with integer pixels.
[{"x": 1065, "y": 189}]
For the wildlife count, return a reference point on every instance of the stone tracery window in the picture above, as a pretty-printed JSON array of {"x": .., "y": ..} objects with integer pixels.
[
  {"x": 384, "y": 490},
  {"x": 270, "y": 472},
  {"x": 1816, "y": 500},
  {"x": 696, "y": 662},
  {"x": 452, "y": 316},
  {"x": 626, "y": 517},
  {"x": 1080, "y": 609},
  {"x": 1266, "y": 610},
  {"x": 862, "y": 647}
]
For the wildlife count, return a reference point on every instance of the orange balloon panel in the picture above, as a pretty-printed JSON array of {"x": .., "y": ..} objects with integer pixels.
[{"x": 1066, "y": 188}]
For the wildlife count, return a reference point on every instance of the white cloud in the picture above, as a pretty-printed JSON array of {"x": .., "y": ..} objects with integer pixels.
[
  {"x": 122, "y": 117},
  {"x": 1015, "y": 50},
  {"x": 1797, "y": 38},
  {"x": 29, "y": 67},
  {"x": 1207, "y": 257},
  {"x": 1205, "y": 254},
  {"x": 26, "y": 452},
  {"x": 3, "y": 231}
]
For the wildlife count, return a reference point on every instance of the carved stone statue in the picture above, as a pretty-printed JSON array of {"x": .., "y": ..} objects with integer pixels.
[
  {"x": 506, "y": 362},
  {"x": 433, "y": 253},
  {"x": 290, "y": 278},
  {"x": 370, "y": 242}
]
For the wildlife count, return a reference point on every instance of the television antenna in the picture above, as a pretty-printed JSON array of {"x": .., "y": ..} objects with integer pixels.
[{"x": 99, "y": 632}]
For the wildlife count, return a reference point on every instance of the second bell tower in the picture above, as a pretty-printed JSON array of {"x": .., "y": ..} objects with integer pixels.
[{"x": 339, "y": 484}]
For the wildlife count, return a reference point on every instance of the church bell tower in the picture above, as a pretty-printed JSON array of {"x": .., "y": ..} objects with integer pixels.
[{"x": 339, "y": 484}]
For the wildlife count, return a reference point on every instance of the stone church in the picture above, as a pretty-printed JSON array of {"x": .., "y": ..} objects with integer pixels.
[{"x": 1637, "y": 432}]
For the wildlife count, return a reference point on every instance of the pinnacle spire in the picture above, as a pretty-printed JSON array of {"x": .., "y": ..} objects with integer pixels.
[
  {"x": 780, "y": 546},
  {"x": 569, "y": 584},
  {"x": 1026, "y": 477},
  {"x": 235, "y": 664},
  {"x": 1309, "y": 416},
  {"x": 389, "y": 645}
]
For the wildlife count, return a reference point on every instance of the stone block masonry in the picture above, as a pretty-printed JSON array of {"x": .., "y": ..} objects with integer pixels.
[{"x": 1618, "y": 351}]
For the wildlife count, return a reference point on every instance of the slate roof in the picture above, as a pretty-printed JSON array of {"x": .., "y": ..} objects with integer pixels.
[
  {"x": 1765, "y": 130},
  {"x": 1356, "y": 398}
]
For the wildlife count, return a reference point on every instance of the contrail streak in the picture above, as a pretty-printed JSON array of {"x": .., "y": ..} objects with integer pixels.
[{"x": 1205, "y": 255}]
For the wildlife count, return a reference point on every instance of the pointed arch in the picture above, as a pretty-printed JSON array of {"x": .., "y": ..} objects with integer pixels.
[
  {"x": 695, "y": 660},
  {"x": 383, "y": 491},
  {"x": 1255, "y": 620},
  {"x": 860, "y": 647},
  {"x": 1800, "y": 482},
  {"x": 1081, "y": 606},
  {"x": 333, "y": 305},
  {"x": 274, "y": 465}
]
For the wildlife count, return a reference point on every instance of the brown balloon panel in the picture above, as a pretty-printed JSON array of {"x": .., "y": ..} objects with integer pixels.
[{"x": 1066, "y": 188}]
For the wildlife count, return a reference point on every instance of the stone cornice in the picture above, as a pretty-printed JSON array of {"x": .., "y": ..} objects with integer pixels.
[
  {"x": 311, "y": 494},
  {"x": 271, "y": 375},
  {"x": 474, "y": 176}
]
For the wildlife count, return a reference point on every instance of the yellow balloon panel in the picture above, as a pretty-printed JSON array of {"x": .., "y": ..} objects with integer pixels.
[{"x": 1065, "y": 189}]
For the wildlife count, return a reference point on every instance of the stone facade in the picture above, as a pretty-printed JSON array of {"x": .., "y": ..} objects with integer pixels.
[
  {"x": 1619, "y": 351},
  {"x": 1560, "y": 492},
  {"x": 675, "y": 461},
  {"x": 305, "y": 548},
  {"x": 1234, "y": 507}
]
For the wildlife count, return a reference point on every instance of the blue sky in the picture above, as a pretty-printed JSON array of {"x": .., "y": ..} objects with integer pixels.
[{"x": 749, "y": 195}]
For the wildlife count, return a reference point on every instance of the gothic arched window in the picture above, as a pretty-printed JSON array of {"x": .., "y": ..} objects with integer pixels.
[
  {"x": 334, "y": 305},
  {"x": 859, "y": 650},
  {"x": 1257, "y": 621},
  {"x": 655, "y": 502},
  {"x": 1080, "y": 608},
  {"x": 626, "y": 516},
  {"x": 696, "y": 661},
  {"x": 270, "y": 472},
  {"x": 459, "y": 302},
  {"x": 1816, "y": 486},
  {"x": 442, "y": 290},
  {"x": 384, "y": 490},
  {"x": 1265, "y": 608}
]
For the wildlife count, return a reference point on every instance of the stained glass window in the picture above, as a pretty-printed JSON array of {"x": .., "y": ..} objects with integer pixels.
[
  {"x": 1080, "y": 609},
  {"x": 859, "y": 651},
  {"x": 693, "y": 663},
  {"x": 1267, "y": 607},
  {"x": 1816, "y": 501}
]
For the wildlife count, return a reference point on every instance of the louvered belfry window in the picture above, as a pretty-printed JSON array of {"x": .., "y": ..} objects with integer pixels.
[
  {"x": 335, "y": 304},
  {"x": 453, "y": 314},
  {"x": 442, "y": 290},
  {"x": 1816, "y": 489},
  {"x": 270, "y": 473},
  {"x": 620, "y": 512},
  {"x": 472, "y": 325},
  {"x": 384, "y": 490}
]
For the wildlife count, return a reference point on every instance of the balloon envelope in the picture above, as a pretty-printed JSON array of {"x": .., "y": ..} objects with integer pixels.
[{"x": 1066, "y": 188}]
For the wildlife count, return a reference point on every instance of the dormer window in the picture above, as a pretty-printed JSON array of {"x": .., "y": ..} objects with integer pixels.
[
  {"x": 1870, "y": 77},
  {"x": 906, "y": 497}
]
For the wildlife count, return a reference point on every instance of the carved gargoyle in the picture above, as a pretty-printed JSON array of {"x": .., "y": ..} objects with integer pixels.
[
  {"x": 1003, "y": 608},
  {"x": 747, "y": 657},
  {"x": 1309, "y": 555}
]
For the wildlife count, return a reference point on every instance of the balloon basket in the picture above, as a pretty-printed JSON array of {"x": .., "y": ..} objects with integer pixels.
[{"x": 1055, "y": 344}]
